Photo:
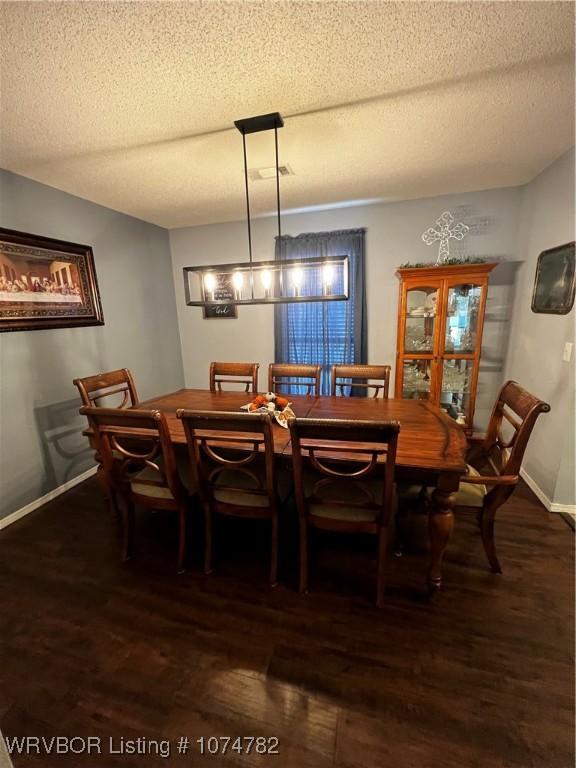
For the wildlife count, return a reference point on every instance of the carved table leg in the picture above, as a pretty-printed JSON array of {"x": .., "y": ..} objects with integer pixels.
[{"x": 441, "y": 523}]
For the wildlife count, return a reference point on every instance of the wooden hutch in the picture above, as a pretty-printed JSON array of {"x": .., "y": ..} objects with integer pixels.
[{"x": 440, "y": 322}]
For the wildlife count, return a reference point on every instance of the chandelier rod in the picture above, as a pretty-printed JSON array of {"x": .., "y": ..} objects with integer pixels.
[
  {"x": 281, "y": 275},
  {"x": 277, "y": 180},
  {"x": 247, "y": 195}
]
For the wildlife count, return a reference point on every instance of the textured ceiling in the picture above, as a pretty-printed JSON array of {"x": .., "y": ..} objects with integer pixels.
[{"x": 130, "y": 104}]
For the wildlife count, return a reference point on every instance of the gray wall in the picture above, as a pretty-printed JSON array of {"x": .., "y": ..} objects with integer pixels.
[
  {"x": 41, "y": 445},
  {"x": 393, "y": 236},
  {"x": 40, "y": 442},
  {"x": 537, "y": 341}
]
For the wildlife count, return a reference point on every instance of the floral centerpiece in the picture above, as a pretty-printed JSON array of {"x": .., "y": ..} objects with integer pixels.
[{"x": 271, "y": 403}]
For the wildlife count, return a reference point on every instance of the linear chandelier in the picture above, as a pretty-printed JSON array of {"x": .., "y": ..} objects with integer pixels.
[{"x": 266, "y": 282}]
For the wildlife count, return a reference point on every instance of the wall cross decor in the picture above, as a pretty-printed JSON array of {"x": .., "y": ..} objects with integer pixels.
[{"x": 446, "y": 230}]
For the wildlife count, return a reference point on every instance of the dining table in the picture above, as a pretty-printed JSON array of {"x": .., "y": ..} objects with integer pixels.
[{"x": 431, "y": 446}]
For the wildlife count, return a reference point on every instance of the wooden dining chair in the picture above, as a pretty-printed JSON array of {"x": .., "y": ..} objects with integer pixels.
[
  {"x": 344, "y": 481},
  {"x": 96, "y": 389},
  {"x": 140, "y": 467},
  {"x": 232, "y": 465},
  {"x": 234, "y": 373},
  {"x": 376, "y": 377},
  {"x": 113, "y": 389},
  {"x": 284, "y": 375},
  {"x": 494, "y": 460}
]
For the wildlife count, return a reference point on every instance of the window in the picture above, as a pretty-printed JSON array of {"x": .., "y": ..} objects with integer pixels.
[{"x": 324, "y": 332}]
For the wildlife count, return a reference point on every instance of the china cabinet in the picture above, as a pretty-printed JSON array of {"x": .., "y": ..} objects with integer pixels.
[{"x": 440, "y": 322}]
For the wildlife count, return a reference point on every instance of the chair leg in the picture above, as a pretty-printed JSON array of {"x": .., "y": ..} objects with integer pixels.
[
  {"x": 109, "y": 494},
  {"x": 127, "y": 528},
  {"x": 400, "y": 520},
  {"x": 487, "y": 531},
  {"x": 382, "y": 547},
  {"x": 303, "y": 556},
  {"x": 113, "y": 506},
  {"x": 274, "y": 553},
  {"x": 207, "y": 540},
  {"x": 182, "y": 511}
]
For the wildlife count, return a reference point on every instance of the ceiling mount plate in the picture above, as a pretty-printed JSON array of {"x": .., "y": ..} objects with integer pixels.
[{"x": 260, "y": 123}]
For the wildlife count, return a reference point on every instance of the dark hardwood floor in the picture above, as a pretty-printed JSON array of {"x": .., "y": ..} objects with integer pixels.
[{"x": 482, "y": 677}]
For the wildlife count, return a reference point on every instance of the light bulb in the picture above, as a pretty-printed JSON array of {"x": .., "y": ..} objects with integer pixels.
[
  {"x": 237, "y": 280},
  {"x": 266, "y": 278},
  {"x": 296, "y": 279},
  {"x": 210, "y": 283},
  {"x": 327, "y": 274}
]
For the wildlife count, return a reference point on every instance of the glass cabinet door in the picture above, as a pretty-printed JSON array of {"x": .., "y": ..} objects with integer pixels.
[
  {"x": 417, "y": 379},
  {"x": 420, "y": 320},
  {"x": 440, "y": 323},
  {"x": 456, "y": 388},
  {"x": 462, "y": 313}
]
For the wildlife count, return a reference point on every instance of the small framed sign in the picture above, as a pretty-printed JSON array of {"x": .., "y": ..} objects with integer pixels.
[
  {"x": 554, "y": 284},
  {"x": 221, "y": 311},
  {"x": 223, "y": 291}
]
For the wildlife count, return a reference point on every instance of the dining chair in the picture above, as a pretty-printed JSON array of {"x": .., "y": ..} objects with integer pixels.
[
  {"x": 113, "y": 389},
  {"x": 494, "y": 460},
  {"x": 232, "y": 465},
  {"x": 234, "y": 373},
  {"x": 94, "y": 389},
  {"x": 283, "y": 375},
  {"x": 362, "y": 377},
  {"x": 344, "y": 481},
  {"x": 140, "y": 467}
]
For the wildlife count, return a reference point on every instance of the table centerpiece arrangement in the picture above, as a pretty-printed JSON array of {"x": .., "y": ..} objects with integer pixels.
[{"x": 276, "y": 405}]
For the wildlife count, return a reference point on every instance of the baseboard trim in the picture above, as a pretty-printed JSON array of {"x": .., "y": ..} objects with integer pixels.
[
  {"x": 564, "y": 509},
  {"x": 551, "y": 506},
  {"x": 536, "y": 490},
  {"x": 54, "y": 493}
]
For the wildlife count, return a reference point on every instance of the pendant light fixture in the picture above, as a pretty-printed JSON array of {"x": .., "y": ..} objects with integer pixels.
[{"x": 266, "y": 282}]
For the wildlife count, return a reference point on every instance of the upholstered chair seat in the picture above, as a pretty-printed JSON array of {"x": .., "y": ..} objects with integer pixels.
[
  {"x": 343, "y": 499},
  {"x": 471, "y": 494},
  {"x": 150, "y": 482},
  {"x": 247, "y": 487},
  {"x": 468, "y": 494}
]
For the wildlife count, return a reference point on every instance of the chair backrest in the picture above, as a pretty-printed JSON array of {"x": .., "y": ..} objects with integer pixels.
[
  {"x": 511, "y": 424},
  {"x": 234, "y": 373},
  {"x": 231, "y": 443},
  {"x": 283, "y": 375},
  {"x": 130, "y": 440},
  {"x": 345, "y": 451},
  {"x": 365, "y": 377},
  {"x": 94, "y": 389}
]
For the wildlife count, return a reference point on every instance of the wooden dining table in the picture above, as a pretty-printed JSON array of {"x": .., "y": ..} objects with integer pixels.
[{"x": 431, "y": 446}]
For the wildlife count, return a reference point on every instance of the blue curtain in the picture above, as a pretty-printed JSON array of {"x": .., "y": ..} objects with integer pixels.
[{"x": 324, "y": 332}]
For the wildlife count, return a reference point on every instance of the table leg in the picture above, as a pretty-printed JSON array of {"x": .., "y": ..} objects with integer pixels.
[{"x": 441, "y": 523}]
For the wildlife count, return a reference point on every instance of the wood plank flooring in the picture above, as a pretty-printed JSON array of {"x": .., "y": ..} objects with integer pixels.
[{"x": 481, "y": 678}]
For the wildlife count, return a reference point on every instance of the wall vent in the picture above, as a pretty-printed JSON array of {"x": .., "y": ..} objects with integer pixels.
[{"x": 259, "y": 174}]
